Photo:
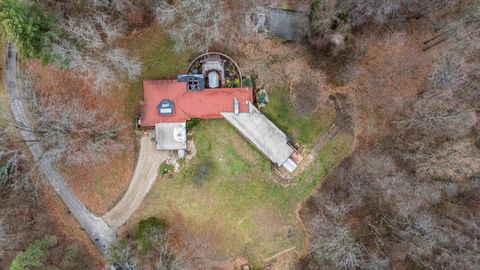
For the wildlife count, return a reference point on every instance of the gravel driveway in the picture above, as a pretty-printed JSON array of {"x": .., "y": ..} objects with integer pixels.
[
  {"x": 143, "y": 179},
  {"x": 100, "y": 230},
  {"x": 96, "y": 228}
]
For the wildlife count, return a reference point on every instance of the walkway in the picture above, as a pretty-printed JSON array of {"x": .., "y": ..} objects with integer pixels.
[{"x": 143, "y": 179}]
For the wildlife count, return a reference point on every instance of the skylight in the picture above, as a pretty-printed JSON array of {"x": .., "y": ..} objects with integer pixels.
[{"x": 165, "y": 107}]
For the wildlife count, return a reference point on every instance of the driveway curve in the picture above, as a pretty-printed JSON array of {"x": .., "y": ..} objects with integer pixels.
[
  {"x": 101, "y": 230},
  {"x": 96, "y": 228},
  {"x": 143, "y": 179}
]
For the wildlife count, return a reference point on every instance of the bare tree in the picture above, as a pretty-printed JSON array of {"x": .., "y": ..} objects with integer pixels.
[
  {"x": 175, "y": 250},
  {"x": 334, "y": 244},
  {"x": 449, "y": 72},
  {"x": 123, "y": 256},
  {"x": 102, "y": 77},
  {"x": 9, "y": 160},
  {"x": 197, "y": 23},
  {"x": 111, "y": 28},
  {"x": 432, "y": 116},
  {"x": 123, "y": 6},
  {"x": 453, "y": 161},
  {"x": 331, "y": 20},
  {"x": 431, "y": 244},
  {"x": 383, "y": 11},
  {"x": 5, "y": 238},
  {"x": 85, "y": 38},
  {"x": 410, "y": 196},
  {"x": 70, "y": 131},
  {"x": 326, "y": 28},
  {"x": 84, "y": 31},
  {"x": 121, "y": 62},
  {"x": 16, "y": 170}
]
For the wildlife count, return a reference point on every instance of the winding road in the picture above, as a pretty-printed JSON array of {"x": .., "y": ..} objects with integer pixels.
[{"x": 101, "y": 230}]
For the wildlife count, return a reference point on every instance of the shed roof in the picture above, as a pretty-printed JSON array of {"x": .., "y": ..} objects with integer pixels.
[
  {"x": 205, "y": 104},
  {"x": 262, "y": 133}
]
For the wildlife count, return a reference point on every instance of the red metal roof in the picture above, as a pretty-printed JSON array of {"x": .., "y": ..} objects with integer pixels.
[{"x": 205, "y": 104}]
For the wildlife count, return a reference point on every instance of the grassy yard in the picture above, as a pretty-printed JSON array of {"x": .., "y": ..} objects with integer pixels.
[
  {"x": 160, "y": 61},
  {"x": 228, "y": 189},
  {"x": 304, "y": 129}
]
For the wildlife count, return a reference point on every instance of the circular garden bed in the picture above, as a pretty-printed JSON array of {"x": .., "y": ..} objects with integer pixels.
[{"x": 232, "y": 77}]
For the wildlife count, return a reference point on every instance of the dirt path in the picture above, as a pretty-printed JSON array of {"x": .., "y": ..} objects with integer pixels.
[
  {"x": 326, "y": 136},
  {"x": 143, "y": 179},
  {"x": 98, "y": 231}
]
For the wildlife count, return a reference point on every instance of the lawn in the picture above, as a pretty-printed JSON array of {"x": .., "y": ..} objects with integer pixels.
[
  {"x": 304, "y": 129},
  {"x": 228, "y": 189},
  {"x": 159, "y": 60}
]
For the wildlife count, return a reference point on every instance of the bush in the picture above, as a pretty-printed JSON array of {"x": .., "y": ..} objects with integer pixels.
[
  {"x": 193, "y": 122},
  {"x": 247, "y": 82},
  {"x": 70, "y": 257},
  {"x": 236, "y": 83},
  {"x": 35, "y": 254},
  {"x": 29, "y": 27},
  {"x": 146, "y": 228},
  {"x": 165, "y": 168}
]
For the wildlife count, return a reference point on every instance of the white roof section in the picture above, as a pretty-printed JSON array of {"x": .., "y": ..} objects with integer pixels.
[
  {"x": 171, "y": 136},
  {"x": 262, "y": 133},
  {"x": 290, "y": 165},
  {"x": 213, "y": 79},
  {"x": 214, "y": 65}
]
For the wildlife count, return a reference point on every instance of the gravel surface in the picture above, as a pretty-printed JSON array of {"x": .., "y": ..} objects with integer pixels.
[
  {"x": 146, "y": 172},
  {"x": 96, "y": 228}
]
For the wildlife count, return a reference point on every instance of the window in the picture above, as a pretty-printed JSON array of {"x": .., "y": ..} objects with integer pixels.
[
  {"x": 165, "y": 107},
  {"x": 195, "y": 82}
]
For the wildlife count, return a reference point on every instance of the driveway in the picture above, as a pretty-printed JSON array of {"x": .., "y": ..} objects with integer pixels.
[
  {"x": 98, "y": 231},
  {"x": 143, "y": 179},
  {"x": 101, "y": 230}
]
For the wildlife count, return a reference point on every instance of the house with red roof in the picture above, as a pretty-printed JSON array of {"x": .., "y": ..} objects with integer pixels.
[
  {"x": 168, "y": 104},
  {"x": 168, "y": 101}
]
